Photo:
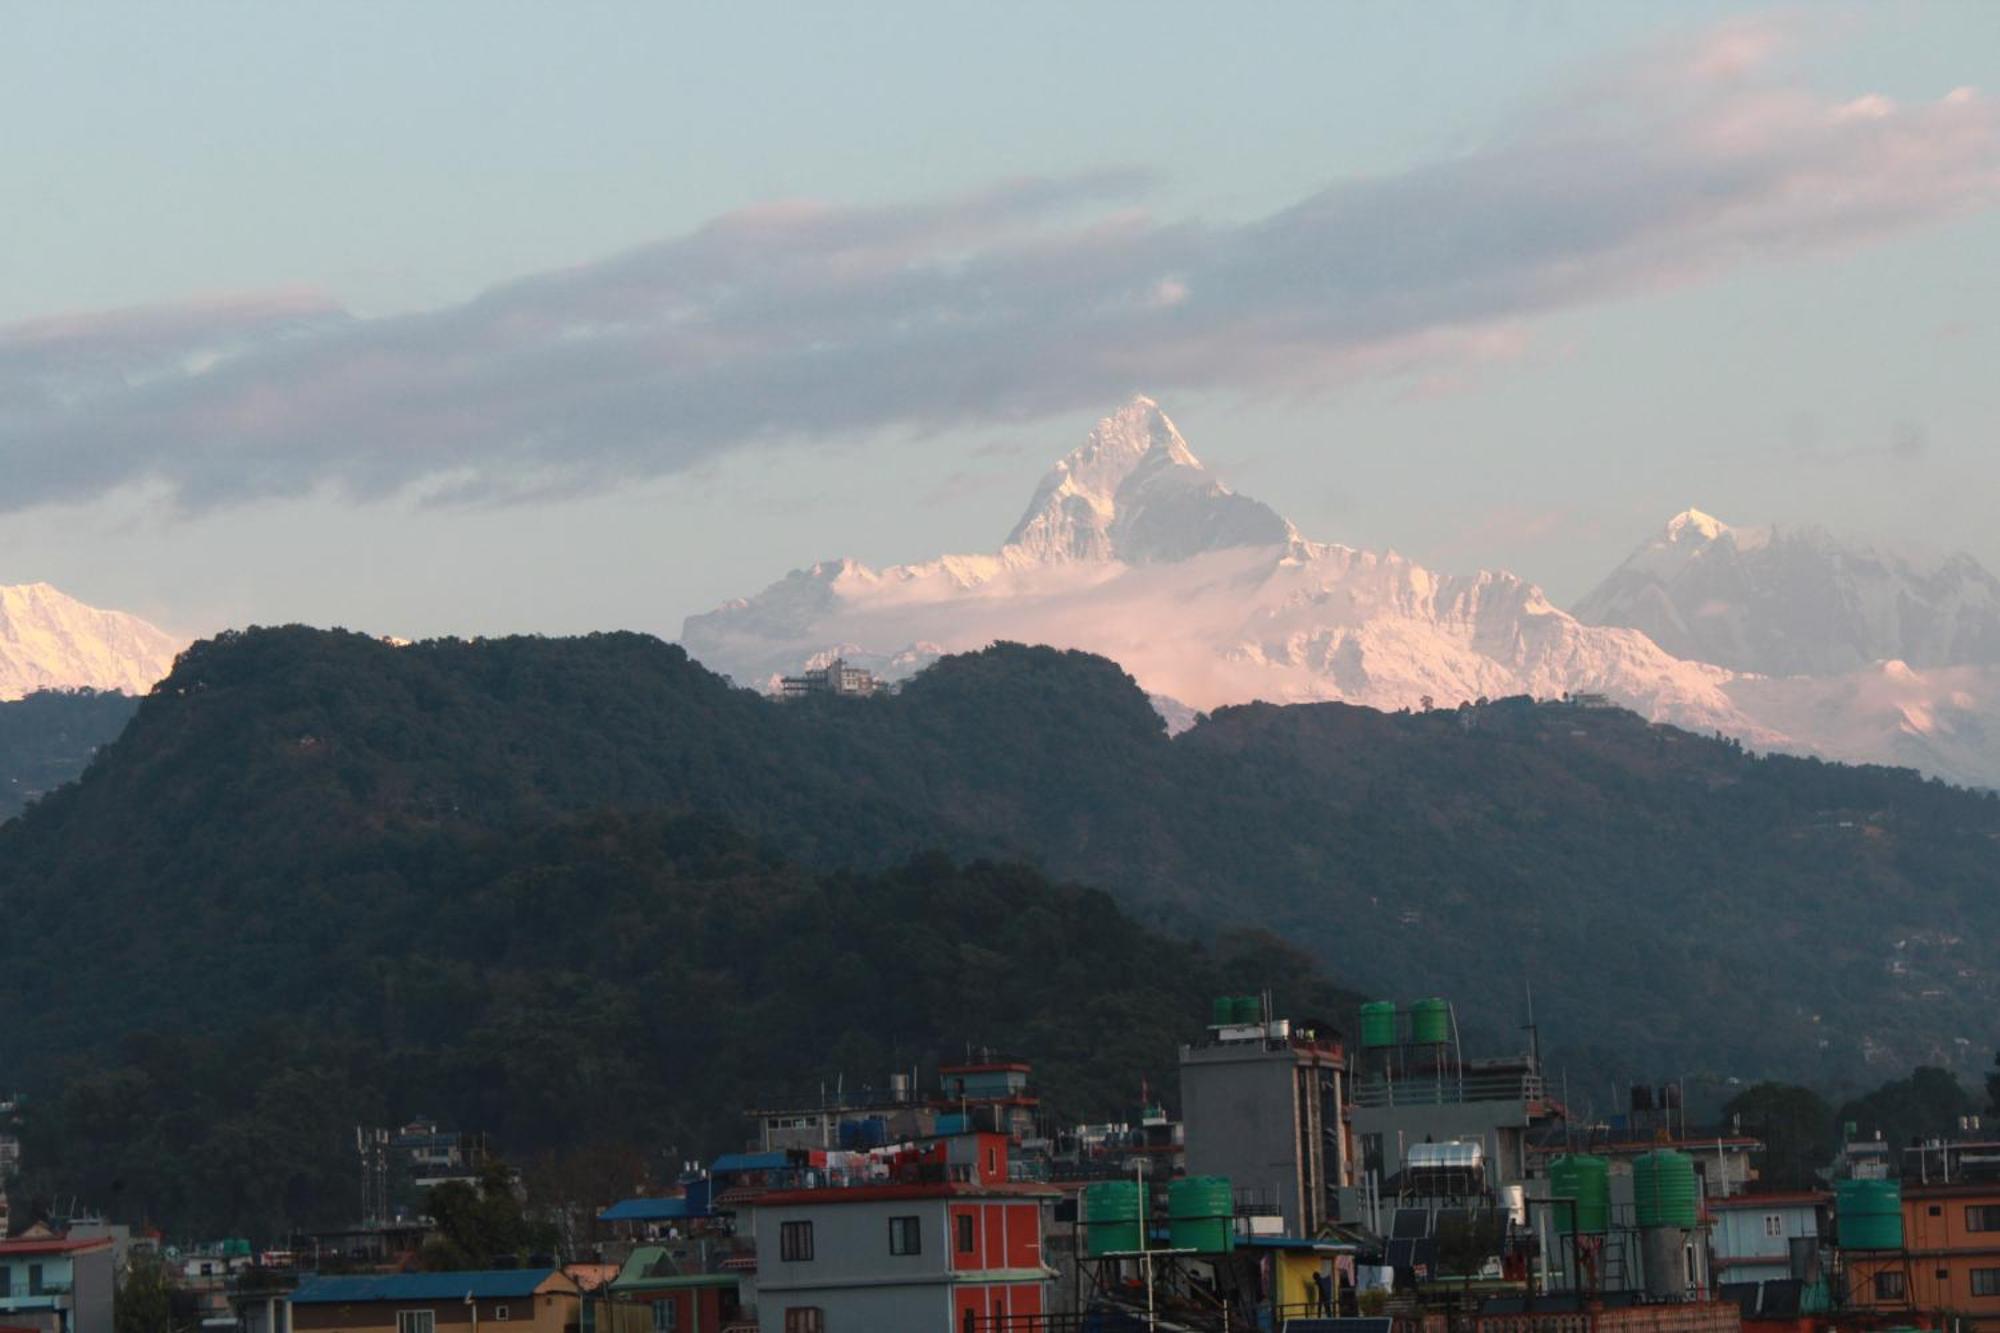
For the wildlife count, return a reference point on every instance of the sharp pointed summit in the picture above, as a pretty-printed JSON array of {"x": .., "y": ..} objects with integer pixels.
[{"x": 1134, "y": 491}]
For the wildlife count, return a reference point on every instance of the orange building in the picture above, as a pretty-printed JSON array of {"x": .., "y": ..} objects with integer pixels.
[{"x": 1949, "y": 1266}]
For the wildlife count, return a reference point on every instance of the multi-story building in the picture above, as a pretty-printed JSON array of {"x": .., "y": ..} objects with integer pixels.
[
  {"x": 944, "y": 1243},
  {"x": 1948, "y": 1271},
  {"x": 532, "y": 1300},
  {"x": 836, "y": 677},
  {"x": 56, "y": 1284},
  {"x": 1263, "y": 1103}
]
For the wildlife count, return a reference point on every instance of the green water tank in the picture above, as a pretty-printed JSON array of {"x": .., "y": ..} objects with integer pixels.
[
  {"x": 1378, "y": 1024},
  {"x": 1430, "y": 1023},
  {"x": 1223, "y": 1012},
  {"x": 1249, "y": 1009},
  {"x": 1587, "y": 1180},
  {"x": 1113, "y": 1215},
  {"x": 1201, "y": 1215},
  {"x": 1665, "y": 1191},
  {"x": 1870, "y": 1213}
]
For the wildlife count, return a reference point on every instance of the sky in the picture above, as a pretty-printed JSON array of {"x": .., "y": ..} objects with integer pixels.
[{"x": 477, "y": 318}]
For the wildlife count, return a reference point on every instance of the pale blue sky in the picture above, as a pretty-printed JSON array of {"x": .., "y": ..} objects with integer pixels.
[{"x": 394, "y": 160}]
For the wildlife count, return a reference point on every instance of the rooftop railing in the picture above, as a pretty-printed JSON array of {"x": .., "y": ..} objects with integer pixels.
[{"x": 1447, "y": 1090}]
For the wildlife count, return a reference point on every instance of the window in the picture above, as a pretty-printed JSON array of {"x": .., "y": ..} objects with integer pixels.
[
  {"x": 34, "y": 1279},
  {"x": 1890, "y": 1286},
  {"x": 965, "y": 1243},
  {"x": 6, "y": 1281},
  {"x": 502, "y": 1313},
  {"x": 1774, "y": 1225},
  {"x": 1935, "y": 1210},
  {"x": 1986, "y": 1281},
  {"x": 804, "y": 1319},
  {"x": 905, "y": 1236},
  {"x": 1982, "y": 1217},
  {"x": 795, "y": 1245},
  {"x": 666, "y": 1316},
  {"x": 416, "y": 1321}
]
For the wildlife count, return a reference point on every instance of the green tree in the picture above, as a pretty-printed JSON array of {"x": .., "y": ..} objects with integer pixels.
[
  {"x": 1925, "y": 1105},
  {"x": 143, "y": 1300},
  {"x": 1796, "y": 1126},
  {"x": 480, "y": 1226}
]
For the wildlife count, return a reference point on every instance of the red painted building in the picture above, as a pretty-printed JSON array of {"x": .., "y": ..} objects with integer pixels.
[{"x": 946, "y": 1241}]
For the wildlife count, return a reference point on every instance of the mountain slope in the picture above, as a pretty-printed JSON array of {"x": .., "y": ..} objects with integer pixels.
[
  {"x": 1798, "y": 602},
  {"x": 616, "y": 983},
  {"x": 51, "y": 641},
  {"x": 47, "y": 738},
  {"x": 1654, "y": 885}
]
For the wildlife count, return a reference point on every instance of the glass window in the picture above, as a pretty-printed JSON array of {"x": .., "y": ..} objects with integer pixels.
[
  {"x": 416, "y": 1321},
  {"x": 965, "y": 1245},
  {"x": 804, "y": 1319},
  {"x": 666, "y": 1316},
  {"x": 905, "y": 1236},
  {"x": 795, "y": 1241},
  {"x": 502, "y": 1312},
  {"x": 1890, "y": 1286},
  {"x": 1982, "y": 1217},
  {"x": 1774, "y": 1225},
  {"x": 1986, "y": 1281}
]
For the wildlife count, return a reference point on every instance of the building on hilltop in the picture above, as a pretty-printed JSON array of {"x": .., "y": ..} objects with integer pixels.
[
  {"x": 836, "y": 678},
  {"x": 1263, "y": 1102}
]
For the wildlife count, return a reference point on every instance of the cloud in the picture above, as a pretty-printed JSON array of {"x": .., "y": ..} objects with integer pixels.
[{"x": 799, "y": 321}]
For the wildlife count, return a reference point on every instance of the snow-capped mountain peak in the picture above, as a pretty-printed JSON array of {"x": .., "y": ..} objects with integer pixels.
[
  {"x": 1134, "y": 491},
  {"x": 49, "y": 640},
  {"x": 1798, "y": 601},
  {"x": 1692, "y": 525}
]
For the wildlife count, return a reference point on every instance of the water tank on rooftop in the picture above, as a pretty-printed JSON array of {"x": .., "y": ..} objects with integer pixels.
[
  {"x": 1113, "y": 1214},
  {"x": 1249, "y": 1009},
  {"x": 1223, "y": 1012},
  {"x": 1665, "y": 1192},
  {"x": 1870, "y": 1213},
  {"x": 1201, "y": 1215},
  {"x": 1430, "y": 1023},
  {"x": 1378, "y": 1024},
  {"x": 1587, "y": 1180}
]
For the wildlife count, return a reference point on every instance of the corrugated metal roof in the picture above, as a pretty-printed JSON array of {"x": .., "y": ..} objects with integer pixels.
[
  {"x": 483, "y": 1284},
  {"x": 649, "y": 1210},
  {"x": 750, "y": 1161}
]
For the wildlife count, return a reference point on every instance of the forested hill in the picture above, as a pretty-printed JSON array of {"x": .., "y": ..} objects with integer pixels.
[
  {"x": 48, "y": 737},
  {"x": 611, "y": 989},
  {"x": 1678, "y": 904}
]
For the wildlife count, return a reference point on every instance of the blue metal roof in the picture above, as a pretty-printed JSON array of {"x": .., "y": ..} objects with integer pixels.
[
  {"x": 484, "y": 1284},
  {"x": 649, "y": 1210},
  {"x": 751, "y": 1161}
]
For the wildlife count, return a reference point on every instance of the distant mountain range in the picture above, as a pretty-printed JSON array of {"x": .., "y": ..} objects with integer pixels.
[
  {"x": 51, "y": 641},
  {"x": 1132, "y": 549}
]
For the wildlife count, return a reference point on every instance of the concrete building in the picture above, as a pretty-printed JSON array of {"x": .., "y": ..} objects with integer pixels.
[
  {"x": 836, "y": 677},
  {"x": 1758, "y": 1237},
  {"x": 1263, "y": 1103},
  {"x": 527, "y": 1300},
  {"x": 1949, "y": 1267},
  {"x": 947, "y": 1241},
  {"x": 56, "y": 1284}
]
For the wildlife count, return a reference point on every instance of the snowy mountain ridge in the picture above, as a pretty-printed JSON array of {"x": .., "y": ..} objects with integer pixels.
[
  {"x": 49, "y": 640},
  {"x": 1798, "y": 601},
  {"x": 1131, "y": 549}
]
